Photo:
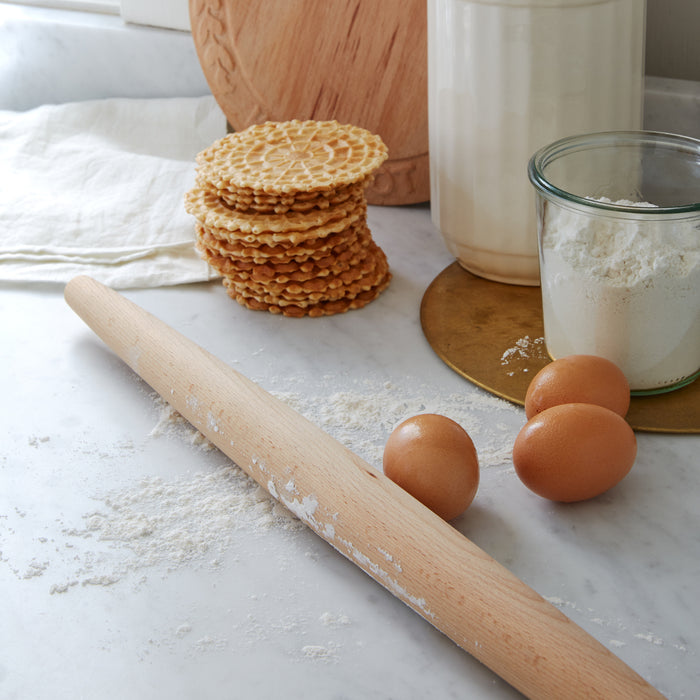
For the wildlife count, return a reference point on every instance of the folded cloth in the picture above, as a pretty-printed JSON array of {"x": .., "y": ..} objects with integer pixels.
[{"x": 98, "y": 188}]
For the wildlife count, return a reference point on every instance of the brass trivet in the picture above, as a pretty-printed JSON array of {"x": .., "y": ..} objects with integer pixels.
[{"x": 492, "y": 334}]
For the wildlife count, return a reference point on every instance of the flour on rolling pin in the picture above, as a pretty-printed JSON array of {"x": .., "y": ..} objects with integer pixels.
[{"x": 306, "y": 510}]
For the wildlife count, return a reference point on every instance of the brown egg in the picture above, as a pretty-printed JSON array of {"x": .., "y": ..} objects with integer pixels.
[
  {"x": 574, "y": 451},
  {"x": 434, "y": 459},
  {"x": 578, "y": 379}
]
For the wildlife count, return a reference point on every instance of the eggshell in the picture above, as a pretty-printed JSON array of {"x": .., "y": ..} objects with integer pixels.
[
  {"x": 574, "y": 451},
  {"x": 578, "y": 379},
  {"x": 434, "y": 459}
]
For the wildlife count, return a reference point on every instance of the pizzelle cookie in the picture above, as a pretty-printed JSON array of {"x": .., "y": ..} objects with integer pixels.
[
  {"x": 300, "y": 201},
  {"x": 294, "y": 156},
  {"x": 322, "y": 308},
  {"x": 301, "y": 283},
  {"x": 206, "y": 207},
  {"x": 261, "y": 253},
  {"x": 281, "y": 215},
  {"x": 341, "y": 258},
  {"x": 374, "y": 269}
]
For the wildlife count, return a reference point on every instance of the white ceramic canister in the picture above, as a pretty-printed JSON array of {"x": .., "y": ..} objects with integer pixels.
[{"x": 505, "y": 78}]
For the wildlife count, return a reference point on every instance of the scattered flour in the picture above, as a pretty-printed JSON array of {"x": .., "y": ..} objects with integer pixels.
[
  {"x": 619, "y": 628},
  {"x": 183, "y": 630},
  {"x": 35, "y": 568},
  {"x": 362, "y": 418},
  {"x": 331, "y": 620},
  {"x": 170, "y": 523},
  {"x": 167, "y": 523},
  {"x": 651, "y": 638},
  {"x": 207, "y": 643},
  {"x": 517, "y": 357},
  {"x": 318, "y": 652},
  {"x": 170, "y": 422}
]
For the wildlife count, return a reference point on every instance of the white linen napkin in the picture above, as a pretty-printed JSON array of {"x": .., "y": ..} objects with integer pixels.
[{"x": 97, "y": 188}]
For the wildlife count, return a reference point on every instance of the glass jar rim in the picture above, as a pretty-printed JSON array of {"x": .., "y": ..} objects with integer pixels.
[{"x": 571, "y": 144}]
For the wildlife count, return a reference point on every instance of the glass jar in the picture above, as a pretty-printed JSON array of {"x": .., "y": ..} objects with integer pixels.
[
  {"x": 618, "y": 219},
  {"x": 506, "y": 77}
]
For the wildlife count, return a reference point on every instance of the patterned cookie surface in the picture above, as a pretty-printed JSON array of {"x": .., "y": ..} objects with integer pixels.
[
  {"x": 368, "y": 274},
  {"x": 294, "y": 156},
  {"x": 346, "y": 254},
  {"x": 247, "y": 255},
  {"x": 303, "y": 201},
  {"x": 303, "y": 282},
  {"x": 322, "y": 308},
  {"x": 210, "y": 210}
]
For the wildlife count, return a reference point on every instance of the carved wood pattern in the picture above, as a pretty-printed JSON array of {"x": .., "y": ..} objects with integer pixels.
[{"x": 274, "y": 59}]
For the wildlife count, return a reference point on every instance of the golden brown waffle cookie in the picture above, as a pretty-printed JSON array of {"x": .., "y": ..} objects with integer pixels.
[
  {"x": 299, "y": 285},
  {"x": 301, "y": 202},
  {"x": 307, "y": 279},
  {"x": 273, "y": 274},
  {"x": 372, "y": 269},
  {"x": 260, "y": 274},
  {"x": 304, "y": 195},
  {"x": 296, "y": 238},
  {"x": 282, "y": 216},
  {"x": 294, "y": 156},
  {"x": 291, "y": 226},
  {"x": 323, "y": 308},
  {"x": 248, "y": 201},
  {"x": 316, "y": 248}
]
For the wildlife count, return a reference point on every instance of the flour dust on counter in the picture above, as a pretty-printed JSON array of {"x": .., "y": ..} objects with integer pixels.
[
  {"x": 362, "y": 414},
  {"x": 158, "y": 524},
  {"x": 623, "y": 635}
]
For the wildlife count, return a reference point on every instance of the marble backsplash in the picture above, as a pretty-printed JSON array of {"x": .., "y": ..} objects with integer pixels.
[{"x": 54, "y": 56}]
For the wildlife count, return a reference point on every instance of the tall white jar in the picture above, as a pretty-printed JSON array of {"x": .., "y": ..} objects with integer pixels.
[{"x": 506, "y": 77}]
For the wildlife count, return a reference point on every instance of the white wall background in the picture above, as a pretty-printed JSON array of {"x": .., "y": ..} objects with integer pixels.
[{"x": 673, "y": 39}]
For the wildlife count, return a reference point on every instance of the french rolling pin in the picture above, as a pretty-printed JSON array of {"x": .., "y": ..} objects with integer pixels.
[{"x": 404, "y": 546}]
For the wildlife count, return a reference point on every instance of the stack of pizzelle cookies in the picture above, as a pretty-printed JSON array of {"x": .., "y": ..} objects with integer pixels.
[{"x": 281, "y": 214}]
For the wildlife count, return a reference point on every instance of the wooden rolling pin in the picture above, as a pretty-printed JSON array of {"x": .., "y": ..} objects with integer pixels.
[{"x": 405, "y": 547}]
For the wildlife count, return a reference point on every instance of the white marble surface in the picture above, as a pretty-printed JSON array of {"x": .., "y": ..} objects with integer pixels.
[
  {"x": 271, "y": 611},
  {"x": 281, "y": 612}
]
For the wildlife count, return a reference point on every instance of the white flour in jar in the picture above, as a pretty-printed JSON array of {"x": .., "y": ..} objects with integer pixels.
[{"x": 626, "y": 289}]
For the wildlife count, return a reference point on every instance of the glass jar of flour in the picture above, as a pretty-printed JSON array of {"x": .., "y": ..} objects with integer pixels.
[
  {"x": 506, "y": 77},
  {"x": 618, "y": 216}
]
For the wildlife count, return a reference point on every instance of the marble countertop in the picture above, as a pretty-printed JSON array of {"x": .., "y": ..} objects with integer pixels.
[
  {"x": 137, "y": 562},
  {"x": 262, "y": 608}
]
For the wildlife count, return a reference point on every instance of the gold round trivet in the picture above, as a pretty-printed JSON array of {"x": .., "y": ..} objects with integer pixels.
[{"x": 492, "y": 334}]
